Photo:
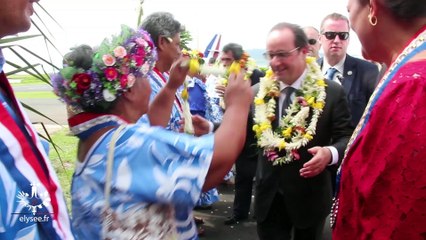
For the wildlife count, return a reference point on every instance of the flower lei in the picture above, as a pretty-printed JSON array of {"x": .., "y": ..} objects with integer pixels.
[
  {"x": 295, "y": 129},
  {"x": 96, "y": 79},
  {"x": 195, "y": 61},
  {"x": 245, "y": 63}
]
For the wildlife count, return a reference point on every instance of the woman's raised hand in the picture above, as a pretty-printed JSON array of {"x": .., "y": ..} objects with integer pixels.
[
  {"x": 238, "y": 92},
  {"x": 178, "y": 73}
]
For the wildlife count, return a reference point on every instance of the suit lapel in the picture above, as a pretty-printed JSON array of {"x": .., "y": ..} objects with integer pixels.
[{"x": 349, "y": 73}]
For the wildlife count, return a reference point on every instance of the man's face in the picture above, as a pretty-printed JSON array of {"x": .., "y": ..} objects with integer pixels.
[
  {"x": 332, "y": 43},
  {"x": 15, "y": 16},
  {"x": 313, "y": 42},
  {"x": 173, "y": 49},
  {"x": 286, "y": 60},
  {"x": 227, "y": 58}
]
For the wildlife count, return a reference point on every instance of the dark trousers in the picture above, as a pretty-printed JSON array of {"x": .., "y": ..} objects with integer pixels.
[
  {"x": 245, "y": 169},
  {"x": 278, "y": 226}
]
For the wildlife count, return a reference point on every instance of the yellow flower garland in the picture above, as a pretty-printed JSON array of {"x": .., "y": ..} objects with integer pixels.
[
  {"x": 195, "y": 61},
  {"x": 295, "y": 129}
]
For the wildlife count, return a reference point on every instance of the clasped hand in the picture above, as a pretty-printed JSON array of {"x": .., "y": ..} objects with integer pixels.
[{"x": 321, "y": 158}]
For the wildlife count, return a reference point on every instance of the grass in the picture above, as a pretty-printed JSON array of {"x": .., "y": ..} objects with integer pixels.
[
  {"x": 68, "y": 153},
  {"x": 25, "y": 79},
  {"x": 36, "y": 95}
]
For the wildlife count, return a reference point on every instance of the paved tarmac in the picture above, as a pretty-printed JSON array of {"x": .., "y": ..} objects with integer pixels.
[{"x": 214, "y": 219}]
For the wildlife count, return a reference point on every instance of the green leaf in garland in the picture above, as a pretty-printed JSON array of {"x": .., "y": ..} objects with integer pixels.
[{"x": 68, "y": 72}]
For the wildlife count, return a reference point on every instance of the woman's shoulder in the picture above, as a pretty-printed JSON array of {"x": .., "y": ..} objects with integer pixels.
[{"x": 412, "y": 70}]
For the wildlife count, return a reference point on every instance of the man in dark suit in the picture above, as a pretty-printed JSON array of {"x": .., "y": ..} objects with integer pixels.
[
  {"x": 245, "y": 166},
  {"x": 293, "y": 199},
  {"x": 358, "y": 77}
]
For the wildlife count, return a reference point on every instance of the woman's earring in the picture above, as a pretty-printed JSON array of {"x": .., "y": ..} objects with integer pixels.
[{"x": 372, "y": 20}]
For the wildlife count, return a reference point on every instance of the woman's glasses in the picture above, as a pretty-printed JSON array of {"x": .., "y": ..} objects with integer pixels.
[{"x": 332, "y": 35}]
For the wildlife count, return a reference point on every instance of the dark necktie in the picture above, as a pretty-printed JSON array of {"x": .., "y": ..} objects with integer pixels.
[
  {"x": 288, "y": 91},
  {"x": 330, "y": 73}
]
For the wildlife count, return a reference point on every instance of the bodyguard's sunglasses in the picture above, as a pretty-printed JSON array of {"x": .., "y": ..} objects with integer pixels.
[
  {"x": 312, "y": 41},
  {"x": 332, "y": 35}
]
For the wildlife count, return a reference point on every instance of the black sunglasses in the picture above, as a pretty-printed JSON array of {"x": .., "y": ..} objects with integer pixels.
[
  {"x": 312, "y": 41},
  {"x": 332, "y": 35}
]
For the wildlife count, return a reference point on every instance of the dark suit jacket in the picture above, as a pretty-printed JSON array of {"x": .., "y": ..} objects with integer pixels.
[
  {"x": 359, "y": 81},
  {"x": 256, "y": 75},
  {"x": 307, "y": 200}
]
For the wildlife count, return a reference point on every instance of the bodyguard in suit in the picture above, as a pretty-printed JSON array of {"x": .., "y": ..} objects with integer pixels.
[
  {"x": 294, "y": 198},
  {"x": 358, "y": 77}
]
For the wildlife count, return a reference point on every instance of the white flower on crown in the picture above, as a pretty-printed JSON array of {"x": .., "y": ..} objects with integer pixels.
[{"x": 108, "y": 96}]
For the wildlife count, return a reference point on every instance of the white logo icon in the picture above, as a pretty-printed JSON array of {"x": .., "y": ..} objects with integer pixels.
[{"x": 35, "y": 200}]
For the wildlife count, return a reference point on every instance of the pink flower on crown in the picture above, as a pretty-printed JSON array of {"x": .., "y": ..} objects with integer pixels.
[
  {"x": 138, "y": 60},
  {"x": 145, "y": 68},
  {"x": 141, "y": 52},
  {"x": 131, "y": 80},
  {"x": 123, "y": 81},
  {"x": 124, "y": 69},
  {"x": 141, "y": 42},
  {"x": 120, "y": 52},
  {"x": 110, "y": 73},
  {"x": 108, "y": 59}
]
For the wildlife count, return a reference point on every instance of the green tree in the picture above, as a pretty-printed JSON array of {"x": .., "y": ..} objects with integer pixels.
[{"x": 185, "y": 38}]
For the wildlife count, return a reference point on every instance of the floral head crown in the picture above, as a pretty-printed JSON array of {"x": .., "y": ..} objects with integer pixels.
[{"x": 92, "y": 81}]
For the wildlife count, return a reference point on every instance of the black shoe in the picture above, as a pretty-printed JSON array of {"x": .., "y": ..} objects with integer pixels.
[{"x": 234, "y": 220}]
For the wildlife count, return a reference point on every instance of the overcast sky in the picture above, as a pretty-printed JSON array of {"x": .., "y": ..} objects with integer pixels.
[{"x": 241, "y": 21}]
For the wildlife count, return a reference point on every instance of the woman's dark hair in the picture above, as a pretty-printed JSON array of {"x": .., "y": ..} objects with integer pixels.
[
  {"x": 406, "y": 9},
  {"x": 403, "y": 9}
]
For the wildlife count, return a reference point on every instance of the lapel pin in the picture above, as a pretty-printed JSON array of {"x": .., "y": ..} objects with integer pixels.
[{"x": 349, "y": 73}]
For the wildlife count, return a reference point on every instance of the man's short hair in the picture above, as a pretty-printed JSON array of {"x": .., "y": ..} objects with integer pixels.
[
  {"x": 161, "y": 24},
  {"x": 300, "y": 38},
  {"x": 236, "y": 49},
  {"x": 334, "y": 16}
]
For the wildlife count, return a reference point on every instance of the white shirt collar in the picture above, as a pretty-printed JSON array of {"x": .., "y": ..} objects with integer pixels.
[
  {"x": 297, "y": 83},
  {"x": 339, "y": 66}
]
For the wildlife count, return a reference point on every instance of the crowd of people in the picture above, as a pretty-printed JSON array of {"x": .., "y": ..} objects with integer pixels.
[{"x": 305, "y": 130}]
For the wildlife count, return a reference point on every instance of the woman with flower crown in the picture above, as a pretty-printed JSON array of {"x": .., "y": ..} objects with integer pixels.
[
  {"x": 382, "y": 193},
  {"x": 133, "y": 194}
]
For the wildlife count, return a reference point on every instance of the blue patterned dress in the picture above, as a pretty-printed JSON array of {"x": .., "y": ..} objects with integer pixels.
[
  {"x": 157, "y": 179},
  {"x": 158, "y": 81},
  {"x": 199, "y": 103}
]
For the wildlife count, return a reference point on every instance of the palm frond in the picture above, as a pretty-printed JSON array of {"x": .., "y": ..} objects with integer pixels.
[
  {"x": 28, "y": 64},
  {"x": 50, "y": 140},
  {"x": 140, "y": 14},
  {"x": 38, "y": 112},
  {"x": 15, "y": 39}
]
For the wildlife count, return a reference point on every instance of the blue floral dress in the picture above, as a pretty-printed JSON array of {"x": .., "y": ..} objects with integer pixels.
[
  {"x": 157, "y": 81},
  {"x": 157, "y": 180},
  {"x": 199, "y": 103}
]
